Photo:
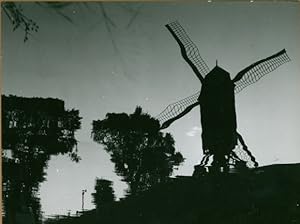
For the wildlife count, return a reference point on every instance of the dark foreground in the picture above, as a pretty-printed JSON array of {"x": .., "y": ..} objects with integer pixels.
[{"x": 265, "y": 195}]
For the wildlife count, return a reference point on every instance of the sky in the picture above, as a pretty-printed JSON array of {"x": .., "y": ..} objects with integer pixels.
[{"x": 139, "y": 63}]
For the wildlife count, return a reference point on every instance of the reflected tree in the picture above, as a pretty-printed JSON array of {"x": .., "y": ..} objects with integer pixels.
[
  {"x": 142, "y": 154},
  {"x": 14, "y": 11},
  {"x": 104, "y": 193},
  {"x": 19, "y": 20},
  {"x": 33, "y": 129}
]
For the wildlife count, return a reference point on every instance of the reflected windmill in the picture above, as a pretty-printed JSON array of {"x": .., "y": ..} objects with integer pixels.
[{"x": 220, "y": 139}]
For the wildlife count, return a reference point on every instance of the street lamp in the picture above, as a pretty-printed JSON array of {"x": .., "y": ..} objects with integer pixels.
[{"x": 82, "y": 198}]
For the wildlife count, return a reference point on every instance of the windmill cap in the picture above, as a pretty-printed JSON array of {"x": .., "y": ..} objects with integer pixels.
[
  {"x": 218, "y": 70},
  {"x": 217, "y": 75}
]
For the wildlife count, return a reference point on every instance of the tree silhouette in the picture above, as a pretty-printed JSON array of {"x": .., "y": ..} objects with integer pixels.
[
  {"x": 20, "y": 20},
  {"x": 104, "y": 193},
  {"x": 142, "y": 154},
  {"x": 34, "y": 129}
]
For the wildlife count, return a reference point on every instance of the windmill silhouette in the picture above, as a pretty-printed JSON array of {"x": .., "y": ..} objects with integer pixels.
[{"x": 220, "y": 138}]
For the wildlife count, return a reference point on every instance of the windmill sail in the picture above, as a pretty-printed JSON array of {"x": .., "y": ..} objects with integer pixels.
[
  {"x": 257, "y": 70},
  {"x": 177, "y": 110},
  {"x": 189, "y": 50},
  {"x": 242, "y": 152}
]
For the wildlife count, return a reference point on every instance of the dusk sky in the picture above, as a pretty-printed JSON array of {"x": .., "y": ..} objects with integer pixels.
[{"x": 78, "y": 63}]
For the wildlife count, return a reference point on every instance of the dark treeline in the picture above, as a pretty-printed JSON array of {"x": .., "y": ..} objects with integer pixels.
[{"x": 33, "y": 129}]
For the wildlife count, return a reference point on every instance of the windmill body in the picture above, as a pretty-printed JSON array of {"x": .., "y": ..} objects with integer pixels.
[
  {"x": 218, "y": 117},
  {"x": 216, "y": 98}
]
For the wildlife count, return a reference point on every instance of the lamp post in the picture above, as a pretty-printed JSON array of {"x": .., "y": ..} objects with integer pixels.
[{"x": 82, "y": 198}]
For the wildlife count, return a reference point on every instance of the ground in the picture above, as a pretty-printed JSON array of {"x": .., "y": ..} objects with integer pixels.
[{"x": 264, "y": 195}]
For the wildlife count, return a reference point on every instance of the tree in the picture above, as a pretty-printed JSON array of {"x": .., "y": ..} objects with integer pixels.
[
  {"x": 34, "y": 129},
  {"x": 142, "y": 154},
  {"x": 104, "y": 193},
  {"x": 20, "y": 20}
]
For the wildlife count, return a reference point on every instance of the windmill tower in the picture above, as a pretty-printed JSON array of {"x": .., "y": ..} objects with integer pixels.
[{"x": 216, "y": 99}]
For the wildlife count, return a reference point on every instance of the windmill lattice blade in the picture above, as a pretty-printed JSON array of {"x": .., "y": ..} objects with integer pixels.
[
  {"x": 242, "y": 152},
  {"x": 177, "y": 110},
  {"x": 189, "y": 50},
  {"x": 256, "y": 71}
]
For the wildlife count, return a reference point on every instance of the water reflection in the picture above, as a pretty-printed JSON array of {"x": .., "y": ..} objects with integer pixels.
[
  {"x": 143, "y": 156},
  {"x": 33, "y": 129}
]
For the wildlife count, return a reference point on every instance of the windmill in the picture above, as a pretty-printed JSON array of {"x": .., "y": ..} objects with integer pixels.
[{"x": 220, "y": 138}]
